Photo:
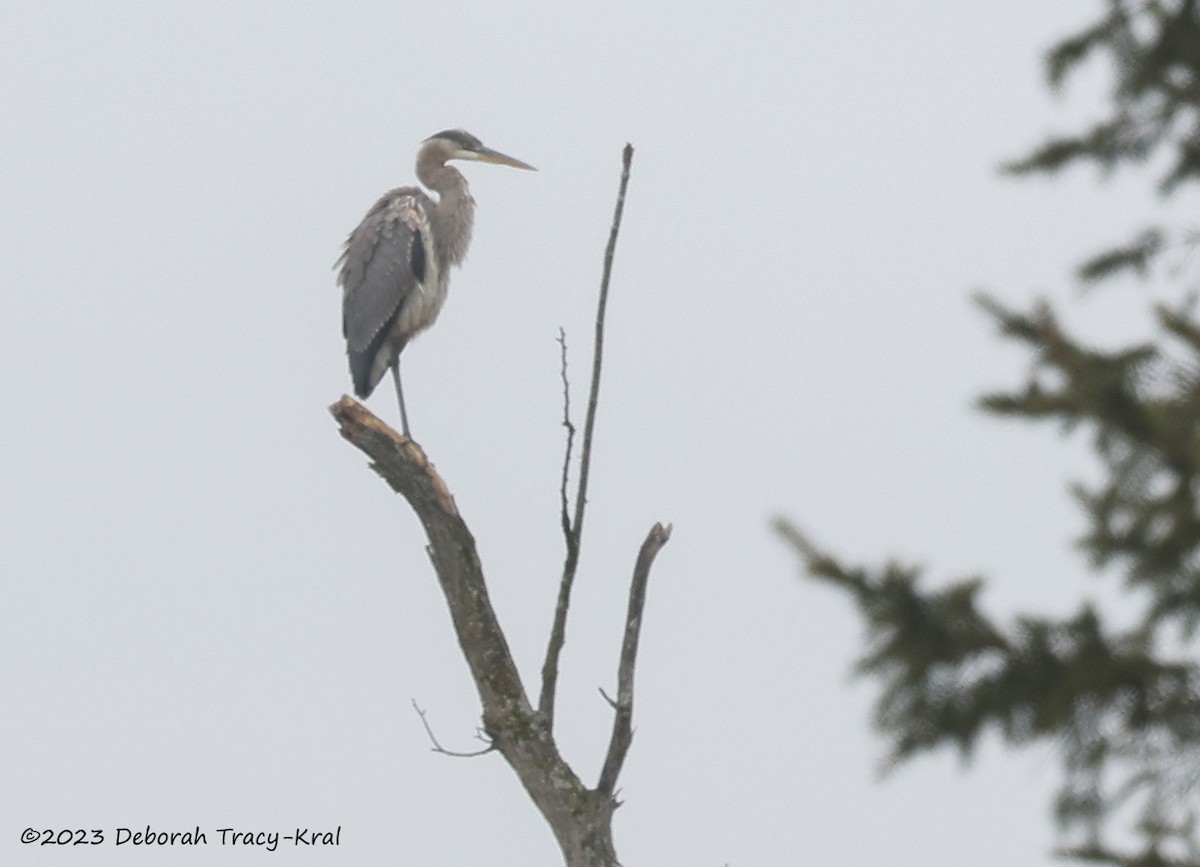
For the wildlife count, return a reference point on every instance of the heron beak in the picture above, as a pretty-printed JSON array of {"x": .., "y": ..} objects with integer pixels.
[{"x": 488, "y": 155}]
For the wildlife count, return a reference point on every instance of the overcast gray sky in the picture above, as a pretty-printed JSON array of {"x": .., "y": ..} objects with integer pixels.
[{"x": 216, "y": 615}]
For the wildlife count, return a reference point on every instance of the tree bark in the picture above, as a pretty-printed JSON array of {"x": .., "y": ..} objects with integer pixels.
[{"x": 581, "y": 818}]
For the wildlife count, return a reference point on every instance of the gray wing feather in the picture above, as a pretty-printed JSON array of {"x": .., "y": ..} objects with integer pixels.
[{"x": 377, "y": 264}]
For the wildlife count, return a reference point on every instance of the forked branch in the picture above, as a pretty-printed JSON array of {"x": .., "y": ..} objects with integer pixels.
[
  {"x": 580, "y": 819},
  {"x": 573, "y": 528}
]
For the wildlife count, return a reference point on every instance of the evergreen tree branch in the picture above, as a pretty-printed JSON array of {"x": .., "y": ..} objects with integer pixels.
[
  {"x": 947, "y": 674},
  {"x": 1121, "y": 705},
  {"x": 1140, "y": 403},
  {"x": 1152, "y": 48},
  {"x": 1135, "y": 256}
]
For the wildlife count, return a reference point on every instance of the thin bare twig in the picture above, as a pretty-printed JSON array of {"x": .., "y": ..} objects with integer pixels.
[
  {"x": 585, "y": 459},
  {"x": 566, "y": 470},
  {"x": 438, "y": 748},
  {"x": 622, "y": 733},
  {"x": 575, "y": 536}
]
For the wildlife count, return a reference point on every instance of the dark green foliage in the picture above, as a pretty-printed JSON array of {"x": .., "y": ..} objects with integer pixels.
[
  {"x": 1152, "y": 48},
  {"x": 1134, "y": 256},
  {"x": 1142, "y": 404},
  {"x": 1122, "y": 705},
  {"x": 1118, "y": 709}
]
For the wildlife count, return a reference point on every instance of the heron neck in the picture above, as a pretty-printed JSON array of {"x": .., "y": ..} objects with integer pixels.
[{"x": 454, "y": 214}]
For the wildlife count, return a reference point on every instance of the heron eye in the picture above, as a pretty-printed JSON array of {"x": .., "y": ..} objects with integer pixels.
[{"x": 417, "y": 257}]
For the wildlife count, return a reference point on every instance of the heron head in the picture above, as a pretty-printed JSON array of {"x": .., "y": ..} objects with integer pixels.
[{"x": 457, "y": 144}]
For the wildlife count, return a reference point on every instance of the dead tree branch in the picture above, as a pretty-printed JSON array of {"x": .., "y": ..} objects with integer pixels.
[
  {"x": 403, "y": 465},
  {"x": 622, "y": 733},
  {"x": 574, "y": 529},
  {"x": 581, "y": 818}
]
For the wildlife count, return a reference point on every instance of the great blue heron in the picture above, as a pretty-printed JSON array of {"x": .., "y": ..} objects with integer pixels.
[{"x": 396, "y": 266}]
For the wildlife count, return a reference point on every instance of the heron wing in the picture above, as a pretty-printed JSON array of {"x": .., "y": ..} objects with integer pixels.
[{"x": 383, "y": 264}]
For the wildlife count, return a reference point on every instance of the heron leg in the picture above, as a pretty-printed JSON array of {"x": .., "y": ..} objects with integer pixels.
[{"x": 400, "y": 396}]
